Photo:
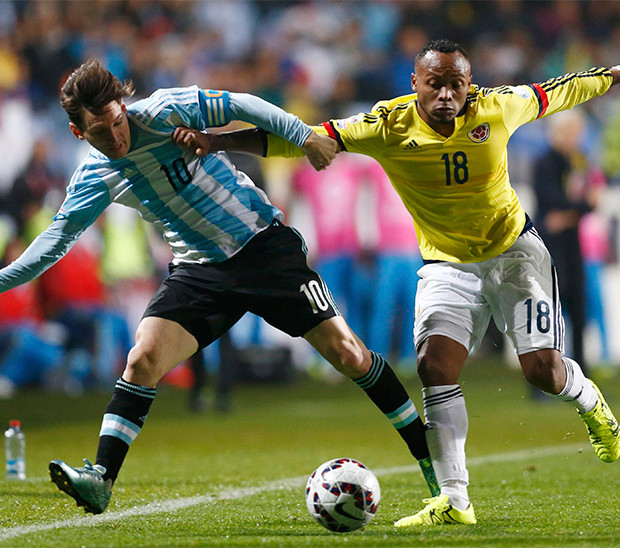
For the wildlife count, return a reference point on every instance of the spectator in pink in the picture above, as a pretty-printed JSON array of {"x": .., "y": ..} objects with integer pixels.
[
  {"x": 332, "y": 197},
  {"x": 397, "y": 261},
  {"x": 594, "y": 242}
]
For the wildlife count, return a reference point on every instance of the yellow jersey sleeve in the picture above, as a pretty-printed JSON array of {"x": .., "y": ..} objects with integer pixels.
[
  {"x": 522, "y": 104},
  {"x": 278, "y": 146}
]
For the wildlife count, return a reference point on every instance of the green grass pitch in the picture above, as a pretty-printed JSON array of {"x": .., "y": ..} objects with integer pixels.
[{"x": 237, "y": 479}]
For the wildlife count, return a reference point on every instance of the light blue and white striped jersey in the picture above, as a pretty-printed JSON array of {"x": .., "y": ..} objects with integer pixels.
[{"x": 205, "y": 209}]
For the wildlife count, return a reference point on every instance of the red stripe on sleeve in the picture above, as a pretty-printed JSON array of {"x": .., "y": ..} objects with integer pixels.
[
  {"x": 330, "y": 130},
  {"x": 544, "y": 100}
]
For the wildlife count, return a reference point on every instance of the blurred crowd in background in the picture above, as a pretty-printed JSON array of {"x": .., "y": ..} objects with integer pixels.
[{"x": 71, "y": 329}]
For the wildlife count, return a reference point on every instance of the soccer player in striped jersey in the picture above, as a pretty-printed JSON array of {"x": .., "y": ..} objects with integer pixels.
[
  {"x": 444, "y": 149},
  {"x": 231, "y": 254}
]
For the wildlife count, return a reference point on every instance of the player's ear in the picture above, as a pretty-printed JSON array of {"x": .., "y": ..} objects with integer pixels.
[
  {"x": 413, "y": 83},
  {"x": 76, "y": 131}
]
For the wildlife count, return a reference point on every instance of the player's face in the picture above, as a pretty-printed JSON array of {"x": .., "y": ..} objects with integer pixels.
[
  {"x": 442, "y": 81},
  {"x": 108, "y": 131}
]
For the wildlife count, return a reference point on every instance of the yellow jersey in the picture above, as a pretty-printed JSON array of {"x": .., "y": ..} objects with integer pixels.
[{"x": 457, "y": 188}]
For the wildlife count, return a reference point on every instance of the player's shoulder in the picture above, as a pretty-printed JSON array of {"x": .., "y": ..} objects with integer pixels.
[
  {"x": 500, "y": 101},
  {"x": 395, "y": 106},
  {"x": 500, "y": 93},
  {"x": 169, "y": 95},
  {"x": 389, "y": 112},
  {"x": 93, "y": 169},
  {"x": 161, "y": 101}
]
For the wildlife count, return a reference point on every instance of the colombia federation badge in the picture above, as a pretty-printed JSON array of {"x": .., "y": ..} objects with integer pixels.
[{"x": 480, "y": 134}]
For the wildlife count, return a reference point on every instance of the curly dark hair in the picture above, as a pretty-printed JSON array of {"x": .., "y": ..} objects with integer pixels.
[
  {"x": 91, "y": 87},
  {"x": 444, "y": 45}
]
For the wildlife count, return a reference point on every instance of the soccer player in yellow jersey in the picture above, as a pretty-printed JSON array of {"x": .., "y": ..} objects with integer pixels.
[{"x": 444, "y": 149}]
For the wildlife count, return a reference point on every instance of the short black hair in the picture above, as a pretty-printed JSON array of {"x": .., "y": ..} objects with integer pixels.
[{"x": 443, "y": 45}]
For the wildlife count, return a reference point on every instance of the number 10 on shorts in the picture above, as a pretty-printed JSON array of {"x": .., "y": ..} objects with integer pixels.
[{"x": 315, "y": 295}]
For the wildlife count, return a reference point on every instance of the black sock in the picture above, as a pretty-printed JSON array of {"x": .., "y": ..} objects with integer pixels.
[
  {"x": 389, "y": 395},
  {"x": 122, "y": 422}
]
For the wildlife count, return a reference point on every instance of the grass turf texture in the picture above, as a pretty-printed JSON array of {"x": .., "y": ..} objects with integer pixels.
[{"x": 238, "y": 479}]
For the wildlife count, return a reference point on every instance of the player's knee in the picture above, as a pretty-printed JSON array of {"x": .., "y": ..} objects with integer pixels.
[
  {"x": 350, "y": 358},
  {"x": 141, "y": 365},
  {"x": 440, "y": 360},
  {"x": 426, "y": 365},
  {"x": 435, "y": 370}
]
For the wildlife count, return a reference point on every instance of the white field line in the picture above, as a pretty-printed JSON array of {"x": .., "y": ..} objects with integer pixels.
[{"x": 236, "y": 494}]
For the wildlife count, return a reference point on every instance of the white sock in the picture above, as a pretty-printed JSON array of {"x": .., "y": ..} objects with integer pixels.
[
  {"x": 447, "y": 424},
  {"x": 578, "y": 390}
]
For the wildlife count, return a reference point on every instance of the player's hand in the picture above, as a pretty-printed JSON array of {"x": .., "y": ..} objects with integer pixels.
[
  {"x": 198, "y": 142},
  {"x": 320, "y": 150}
]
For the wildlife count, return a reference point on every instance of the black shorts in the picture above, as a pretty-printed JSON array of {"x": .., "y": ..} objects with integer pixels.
[{"x": 269, "y": 277}]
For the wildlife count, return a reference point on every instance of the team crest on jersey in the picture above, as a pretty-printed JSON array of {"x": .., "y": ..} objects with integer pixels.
[
  {"x": 129, "y": 172},
  {"x": 350, "y": 120},
  {"x": 480, "y": 134}
]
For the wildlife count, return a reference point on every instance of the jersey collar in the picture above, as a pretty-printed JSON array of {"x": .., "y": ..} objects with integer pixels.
[{"x": 458, "y": 122}]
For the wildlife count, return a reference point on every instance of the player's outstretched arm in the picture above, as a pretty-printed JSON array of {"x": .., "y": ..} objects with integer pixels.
[
  {"x": 201, "y": 143},
  {"x": 249, "y": 108},
  {"x": 47, "y": 249},
  {"x": 615, "y": 72},
  {"x": 319, "y": 149}
]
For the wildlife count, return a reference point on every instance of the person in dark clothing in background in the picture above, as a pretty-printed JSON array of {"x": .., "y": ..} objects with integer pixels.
[{"x": 563, "y": 197}]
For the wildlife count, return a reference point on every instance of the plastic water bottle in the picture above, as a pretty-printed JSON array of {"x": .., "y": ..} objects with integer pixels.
[{"x": 15, "y": 450}]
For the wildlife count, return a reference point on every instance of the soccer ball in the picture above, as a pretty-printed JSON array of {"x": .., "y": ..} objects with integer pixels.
[{"x": 342, "y": 495}]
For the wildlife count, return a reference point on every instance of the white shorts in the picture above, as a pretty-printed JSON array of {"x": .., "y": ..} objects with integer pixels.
[{"x": 518, "y": 288}]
